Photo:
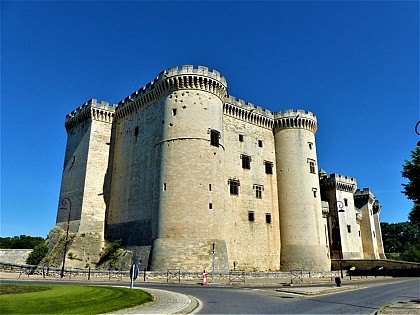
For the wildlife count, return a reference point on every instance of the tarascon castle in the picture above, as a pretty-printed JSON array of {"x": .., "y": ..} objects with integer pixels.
[{"x": 179, "y": 168}]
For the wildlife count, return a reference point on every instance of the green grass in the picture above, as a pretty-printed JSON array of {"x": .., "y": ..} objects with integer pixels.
[{"x": 58, "y": 299}]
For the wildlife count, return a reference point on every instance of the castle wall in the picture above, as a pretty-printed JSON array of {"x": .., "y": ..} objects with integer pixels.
[
  {"x": 252, "y": 245},
  {"x": 301, "y": 226},
  {"x": 364, "y": 200}
]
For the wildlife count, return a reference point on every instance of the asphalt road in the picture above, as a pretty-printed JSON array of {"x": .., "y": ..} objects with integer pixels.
[{"x": 367, "y": 299}]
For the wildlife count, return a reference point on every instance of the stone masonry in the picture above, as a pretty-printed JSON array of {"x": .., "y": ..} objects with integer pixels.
[{"x": 185, "y": 174}]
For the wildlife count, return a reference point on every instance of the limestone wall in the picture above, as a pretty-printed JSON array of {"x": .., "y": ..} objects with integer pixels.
[
  {"x": 301, "y": 225},
  {"x": 14, "y": 256},
  {"x": 252, "y": 244}
]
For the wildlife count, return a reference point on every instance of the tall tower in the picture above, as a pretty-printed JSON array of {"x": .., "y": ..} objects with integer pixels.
[
  {"x": 303, "y": 243},
  {"x": 82, "y": 196}
]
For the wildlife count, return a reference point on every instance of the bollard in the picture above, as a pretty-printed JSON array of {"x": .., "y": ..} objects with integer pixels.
[{"x": 338, "y": 281}]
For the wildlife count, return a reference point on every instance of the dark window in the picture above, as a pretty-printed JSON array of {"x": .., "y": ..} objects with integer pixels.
[
  {"x": 258, "y": 191},
  {"x": 209, "y": 187},
  {"x": 164, "y": 186},
  {"x": 314, "y": 191},
  {"x": 268, "y": 167},
  {"x": 173, "y": 111},
  {"x": 312, "y": 167},
  {"x": 349, "y": 228},
  {"x": 310, "y": 145},
  {"x": 359, "y": 233},
  {"x": 210, "y": 206},
  {"x": 136, "y": 131},
  {"x": 246, "y": 161},
  {"x": 241, "y": 138},
  {"x": 268, "y": 218},
  {"x": 234, "y": 186},
  {"x": 214, "y": 138},
  {"x": 251, "y": 216},
  {"x": 346, "y": 202},
  {"x": 260, "y": 143}
]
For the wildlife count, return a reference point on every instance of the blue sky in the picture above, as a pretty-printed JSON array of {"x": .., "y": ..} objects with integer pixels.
[{"x": 354, "y": 64}]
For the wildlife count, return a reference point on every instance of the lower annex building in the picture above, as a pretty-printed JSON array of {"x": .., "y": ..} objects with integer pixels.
[{"x": 179, "y": 168}]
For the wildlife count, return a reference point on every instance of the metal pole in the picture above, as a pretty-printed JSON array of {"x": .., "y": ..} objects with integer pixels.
[
  {"x": 212, "y": 266},
  {"x": 64, "y": 204}
]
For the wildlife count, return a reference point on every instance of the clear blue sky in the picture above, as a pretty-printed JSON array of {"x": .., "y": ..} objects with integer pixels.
[{"x": 354, "y": 64}]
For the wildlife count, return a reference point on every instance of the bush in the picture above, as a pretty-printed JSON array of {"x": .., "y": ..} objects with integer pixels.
[
  {"x": 39, "y": 252},
  {"x": 111, "y": 253}
]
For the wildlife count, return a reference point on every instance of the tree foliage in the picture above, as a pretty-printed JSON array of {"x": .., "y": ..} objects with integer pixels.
[
  {"x": 20, "y": 242},
  {"x": 39, "y": 252},
  {"x": 111, "y": 253},
  {"x": 411, "y": 171},
  {"x": 399, "y": 237}
]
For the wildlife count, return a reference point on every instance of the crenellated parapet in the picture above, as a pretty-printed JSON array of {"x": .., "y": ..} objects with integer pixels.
[
  {"x": 295, "y": 119},
  {"x": 91, "y": 110},
  {"x": 376, "y": 207},
  {"x": 248, "y": 112},
  {"x": 362, "y": 197},
  {"x": 186, "y": 77},
  {"x": 339, "y": 182}
]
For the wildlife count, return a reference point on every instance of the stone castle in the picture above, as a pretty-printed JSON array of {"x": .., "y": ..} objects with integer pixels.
[{"x": 180, "y": 171}]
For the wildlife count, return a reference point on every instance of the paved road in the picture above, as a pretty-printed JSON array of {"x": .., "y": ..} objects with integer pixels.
[{"x": 366, "y": 300}]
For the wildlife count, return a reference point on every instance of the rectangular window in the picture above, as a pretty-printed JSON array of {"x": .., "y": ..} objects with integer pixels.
[
  {"x": 241, "y": 138},
  {"x": 246, "y": 161},
  {"x": 164, "y": 187},
  {"x": 258, "y": 191},
  {"x": 136, "y": 131},
  {"x": 346, "y": 203},
  {"x": 251, "y": 216},
  {"x": 268, "y": 218},
  {"x": 234, "y": 186},
  {"x": 314, "y": 191},
  {"x": 260, "y": 143},
  {"x": 310, "y": 145},
  {"x": 214, "y": 138},
  {"x": 173, "y": 111},
  {"x": 359, "y": 233},
  {"x": 312, "y": 167},
  {"x": 268, "y": 167},
  {"x": 349, "y": 228},
  {"x": 210, "y": 206},
  {"x": 209, "y": 187}
]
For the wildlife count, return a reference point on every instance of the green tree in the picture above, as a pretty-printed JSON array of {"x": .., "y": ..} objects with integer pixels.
[
  {"x": 413, "y": 254},
  {"x": 39, "y": 252},
  {"x": 411, "y": 171},
  {"x": 20, "y": 242},
  {"x": 399, "y": 237}
]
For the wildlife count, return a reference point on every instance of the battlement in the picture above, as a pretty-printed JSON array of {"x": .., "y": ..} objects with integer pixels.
[
  {"x": 364, "y": 196},
  {"x": 295, "y": 119},
  {"x": 92, "y": 103},
  {"x": 90, "y": 110},
  {"x": 186, "y": 77},
  {"x": 248, "y": 112},
  {"x": 290, "y": 113},
  {"x": 340, "y": 182},
  {"x": 364, "y": 191}
]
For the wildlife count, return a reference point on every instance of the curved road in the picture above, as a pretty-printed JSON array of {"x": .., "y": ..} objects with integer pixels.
[{"x": 367, "y": 299}]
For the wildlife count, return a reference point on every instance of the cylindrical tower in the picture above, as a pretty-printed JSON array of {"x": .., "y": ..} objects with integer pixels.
[
  {"x": 303, "y": 242},
  {"x": 189, "y": 160}
]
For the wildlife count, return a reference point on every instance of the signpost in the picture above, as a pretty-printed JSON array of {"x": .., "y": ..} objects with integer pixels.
[{"x": 134, "y": 272}]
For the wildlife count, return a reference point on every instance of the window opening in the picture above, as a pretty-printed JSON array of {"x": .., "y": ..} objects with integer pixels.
[
  {"x": 314, "y": 191},
  {"x": 349, "y": 228},
  {"x": 268, "y": 218},
  {"x": 246, "y": 161},
  {"x": 164, "y": 186},
  {"x": 241, "y": 138},
  {"x": 214, "y": 137},
  {"x": 310, "y": 145},
  {"x": 258, "y": 191},
  {"x": 209, "y": 187},
  {"x": 234, "y": 186},
  {"x": 210, "y": 206},
  {"x": 251, "y": 216},
  {"x": 260, "y": 143},
  {"x": 136, "y": 131},
  {"x": 311, "y": 166},
  {"x": 173, "y": 111},
  {"x": 268, "y": 167}
]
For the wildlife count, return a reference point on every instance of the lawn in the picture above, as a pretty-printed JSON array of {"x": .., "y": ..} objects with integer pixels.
[{"x": 59, "y": 299}]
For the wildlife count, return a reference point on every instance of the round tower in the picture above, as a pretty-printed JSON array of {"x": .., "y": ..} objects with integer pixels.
[
  {"x": 190, "y": 157},
  {"x": 303, "y": 242}
]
